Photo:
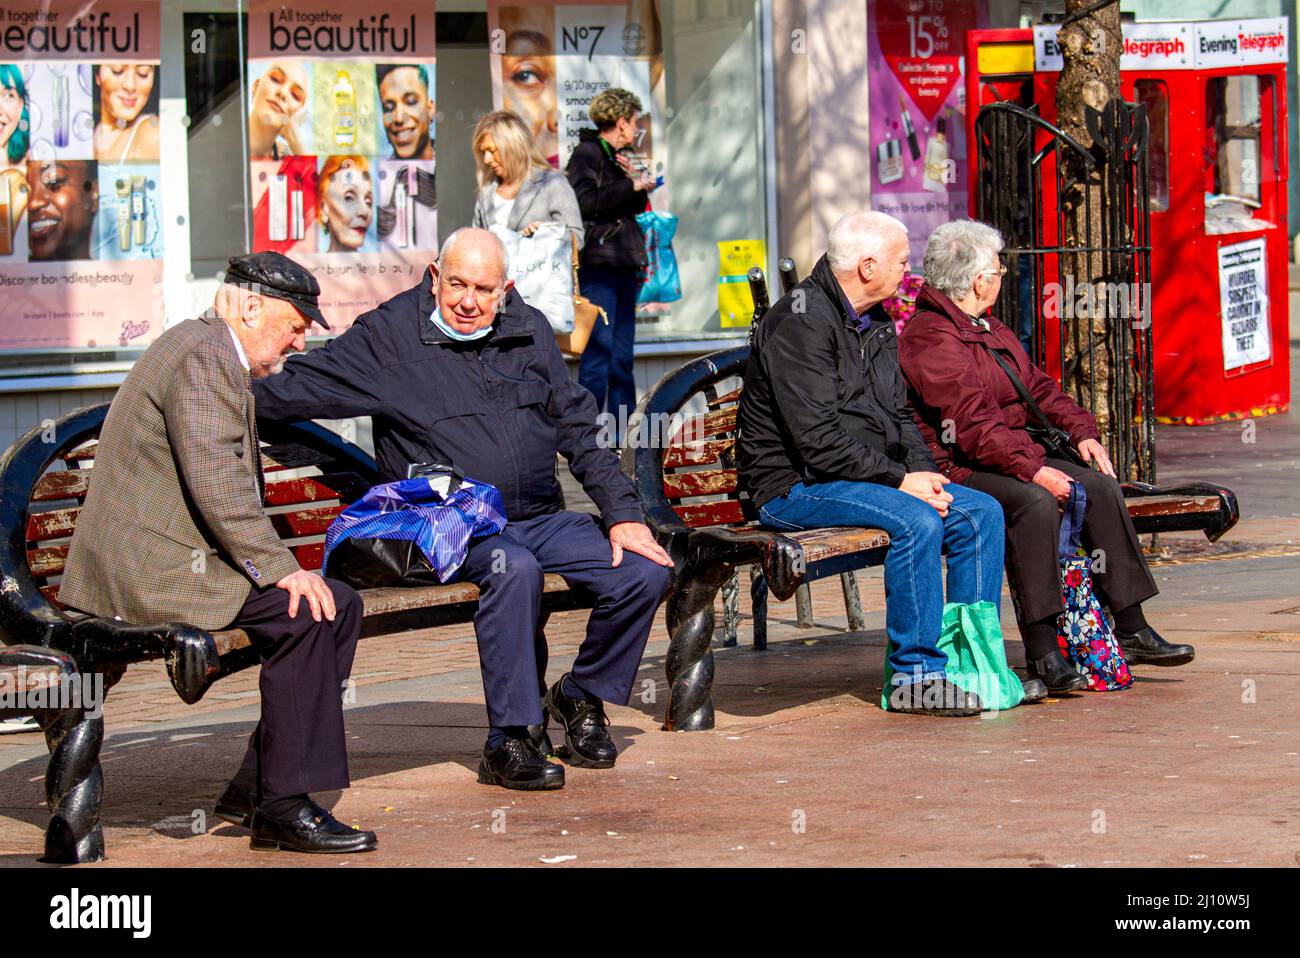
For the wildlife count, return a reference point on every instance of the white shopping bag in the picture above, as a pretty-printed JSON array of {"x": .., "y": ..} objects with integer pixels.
[{"x": 541, "y": 266}]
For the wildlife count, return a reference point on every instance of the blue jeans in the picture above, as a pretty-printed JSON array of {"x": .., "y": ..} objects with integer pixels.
[
  {"x": 971, "y": 536},
  {"x": 606, "y": 365}
]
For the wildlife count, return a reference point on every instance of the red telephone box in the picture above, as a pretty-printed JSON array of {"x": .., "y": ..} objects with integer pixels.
[{"x": 1215, "y": 93}]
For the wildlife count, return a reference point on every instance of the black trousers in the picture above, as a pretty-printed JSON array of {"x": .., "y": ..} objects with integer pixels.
[
  {"x": 298, "y": 746},
  {"x": 1033, "y": 523}
]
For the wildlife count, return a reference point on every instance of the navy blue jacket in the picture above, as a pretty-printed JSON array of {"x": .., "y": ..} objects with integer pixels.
[{"x": 499, "y": 408}]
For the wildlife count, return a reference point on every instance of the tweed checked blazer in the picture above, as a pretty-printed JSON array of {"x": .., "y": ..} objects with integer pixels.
[{"x": 173, "y": 529}]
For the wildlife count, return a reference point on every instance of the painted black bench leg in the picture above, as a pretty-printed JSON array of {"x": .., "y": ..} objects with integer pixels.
[
  {"x": 730, "y": 609},
  {"x": 758, "y": 605},
  {"x": 803, "y": 610},
  {"x": 690, "y": 660},
  {"x": 74, "y": 786}
]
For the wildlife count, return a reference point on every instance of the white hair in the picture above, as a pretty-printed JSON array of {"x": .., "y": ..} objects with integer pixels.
[
  {"x": 959, "y": 251},
  {"x": 457, "y": 235},
  {"x": 860, "y": 236}
]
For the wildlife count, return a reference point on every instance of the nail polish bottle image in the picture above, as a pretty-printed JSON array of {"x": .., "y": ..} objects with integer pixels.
[{"x": 889, "y": 161}]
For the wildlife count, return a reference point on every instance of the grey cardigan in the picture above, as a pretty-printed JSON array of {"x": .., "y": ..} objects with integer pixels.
[{"x": 545, "y": 195}]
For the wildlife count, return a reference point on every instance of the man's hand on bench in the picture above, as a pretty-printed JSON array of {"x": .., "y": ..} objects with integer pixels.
[
  {"x": 928, "y": 486},
  {"x": 307, "y": 585},
  {"x": 636, "y": 537}
]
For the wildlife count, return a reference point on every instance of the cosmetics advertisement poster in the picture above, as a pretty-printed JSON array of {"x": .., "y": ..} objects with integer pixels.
[
  {"x": 341, "y": 144},
  {"x": 80, "y": 204},
  {"x": 918, "y": 111},
  {"x": 549, "y": 59}
]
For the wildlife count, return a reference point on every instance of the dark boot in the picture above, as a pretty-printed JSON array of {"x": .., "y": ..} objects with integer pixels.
[
  {"x": 934, "y": 697},
  {"x": 1145, "y": 647},
  {"x": 1057, "y": 673}
]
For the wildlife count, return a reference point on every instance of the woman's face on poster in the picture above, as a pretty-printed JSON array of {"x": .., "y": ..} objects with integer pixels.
[
  {"x": 528, "y": 72},
  {"x": 11, "y": 112},
  {"x": 61, "y": 207},
  {"x": 279, "y": 94},
  {"x": 124, "y": 91},
  {"x": 349, "y": 207},
  {"x": 408, "y": 111}
]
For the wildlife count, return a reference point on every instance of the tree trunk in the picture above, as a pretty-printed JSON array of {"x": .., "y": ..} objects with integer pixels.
[{"x": 1091, "y": 48}]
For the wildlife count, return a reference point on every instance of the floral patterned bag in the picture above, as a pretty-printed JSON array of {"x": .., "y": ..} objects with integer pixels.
[{"x": 1082, "y": 630}]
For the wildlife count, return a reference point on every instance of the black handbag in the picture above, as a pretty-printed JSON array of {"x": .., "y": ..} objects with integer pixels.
[{"x": 1053, "y": 439}]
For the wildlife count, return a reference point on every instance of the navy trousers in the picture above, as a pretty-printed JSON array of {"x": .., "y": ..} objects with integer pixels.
[
  {"x": 606, "y": 365},
  {"x": 508, "y": 568}
]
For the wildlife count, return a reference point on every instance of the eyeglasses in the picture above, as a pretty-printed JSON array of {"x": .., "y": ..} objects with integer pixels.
[{"x": 1001, "y": 270}]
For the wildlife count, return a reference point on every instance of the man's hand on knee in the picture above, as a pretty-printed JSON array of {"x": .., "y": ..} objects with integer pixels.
[
  {"x": 307, "y": 585},
  {"x": 928, "y": 486},
  {"x": 635, "y": 537}
]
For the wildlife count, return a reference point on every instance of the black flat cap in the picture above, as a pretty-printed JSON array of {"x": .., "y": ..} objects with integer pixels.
[{"x": 274, "y": 274}]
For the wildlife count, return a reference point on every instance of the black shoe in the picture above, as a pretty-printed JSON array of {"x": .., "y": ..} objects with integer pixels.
[
  {"x": 312, "y": 829},
  {"x": 1145, "y": 647},
  {"x": 1035, "y": 691},
  {"x": 934, "y": 697},
  {"x": 1057, "y": 673},
  {"x": 586, "y": 729},
  {"x": 518, "y": 764},
  {"x": 236, "y": 804}
]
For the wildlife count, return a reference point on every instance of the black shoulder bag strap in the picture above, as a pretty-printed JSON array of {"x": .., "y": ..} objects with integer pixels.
[{"x": 1052, "y": 438}]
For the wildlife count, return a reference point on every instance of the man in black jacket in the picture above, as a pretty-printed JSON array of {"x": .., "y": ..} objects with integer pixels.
[
  {"x": 827, "y": 438},
  {"x": 460, "y": 370}
]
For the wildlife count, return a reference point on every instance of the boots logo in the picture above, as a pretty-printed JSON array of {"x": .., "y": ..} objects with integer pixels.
[{"x": 75, "y": 911}]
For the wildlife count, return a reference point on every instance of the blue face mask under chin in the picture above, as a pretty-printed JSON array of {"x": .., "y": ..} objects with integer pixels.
[{"x": 459, "y": 337}]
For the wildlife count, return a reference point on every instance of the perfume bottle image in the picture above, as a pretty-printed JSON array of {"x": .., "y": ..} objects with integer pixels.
[
  {"x": 913, "y": 147},
  {"x": 889, "y": 159},
  {"x": 61, "y": 118},
  {"x": 936, "y": 158},
  {"x": 345, "y": 109}
]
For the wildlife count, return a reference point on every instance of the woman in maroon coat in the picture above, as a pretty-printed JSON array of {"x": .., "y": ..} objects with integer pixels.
[{"x": 974, "y": 422}]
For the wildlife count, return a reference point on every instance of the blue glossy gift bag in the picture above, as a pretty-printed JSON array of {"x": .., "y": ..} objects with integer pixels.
[{"x": 660, "y": 282}]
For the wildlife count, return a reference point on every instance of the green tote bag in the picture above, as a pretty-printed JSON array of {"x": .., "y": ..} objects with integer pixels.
[{"x": 971, "y": 637}]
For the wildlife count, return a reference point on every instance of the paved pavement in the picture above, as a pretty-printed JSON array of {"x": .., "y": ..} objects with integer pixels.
[{"x": 1191, "y": 766}]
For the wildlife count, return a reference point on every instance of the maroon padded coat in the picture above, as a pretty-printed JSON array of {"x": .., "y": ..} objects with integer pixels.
[{"x": 952, "y": 378}]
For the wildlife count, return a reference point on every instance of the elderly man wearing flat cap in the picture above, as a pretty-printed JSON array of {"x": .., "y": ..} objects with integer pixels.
[{"x": 173, "y": 529}]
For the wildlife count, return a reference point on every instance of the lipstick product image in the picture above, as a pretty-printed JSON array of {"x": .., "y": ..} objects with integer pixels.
[
  {"x": 297, "y": 225},
  {"x": 912, "y": 146}
]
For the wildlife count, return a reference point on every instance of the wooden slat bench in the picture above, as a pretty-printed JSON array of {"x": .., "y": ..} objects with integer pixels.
[
  {"x": 311, "y": 475},
  {"x": 686, "y": 479}
]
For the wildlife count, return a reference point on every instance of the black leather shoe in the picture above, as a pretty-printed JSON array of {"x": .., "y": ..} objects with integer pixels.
[
  {"x": 1057, "y": 673},
  {"x": 934, "y": 697},
  {"x": 312, "y": 829},
  {"x": 1145, "y": 647},
  {"x": 540, "y": 737},
  {"x": 586, "y": 729},
  {"x": 1035, "y": 691},
  {"x": 518, "y": 764},
  {"x": 236, "y": 804}
]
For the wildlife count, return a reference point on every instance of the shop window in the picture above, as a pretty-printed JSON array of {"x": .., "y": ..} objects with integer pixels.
[
  {"x": 1235, "y": 152},
  {"x": 1154, "y": 95}
]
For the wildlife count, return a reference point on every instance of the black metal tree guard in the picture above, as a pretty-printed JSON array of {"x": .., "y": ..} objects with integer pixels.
[{"x": 1018, "y": 154}]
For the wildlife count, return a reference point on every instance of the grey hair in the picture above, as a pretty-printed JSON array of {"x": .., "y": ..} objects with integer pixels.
[
  {"x": 959, "y": 251},
  {"x": 457, "y": 235},
  {"x": 860, "y": 236}
]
